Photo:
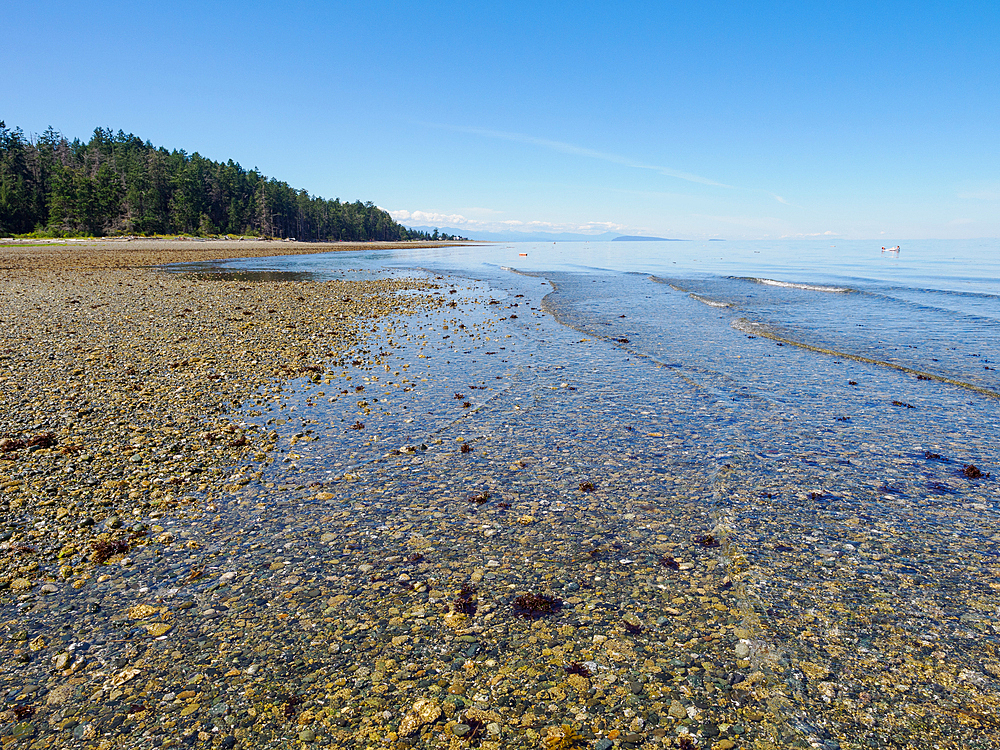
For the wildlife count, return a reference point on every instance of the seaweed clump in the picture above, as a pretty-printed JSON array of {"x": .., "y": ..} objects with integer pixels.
[
  {"x": 9, "y": 445},
  {"x": 463, "y": 601},
  {"x": 707, "y": 541},
  {"x": 587, "y": 486},
  {"x": 563, "y": 737},
  {"x": 43, "y": 440},
  {"x": 971, "y": 471},
  {"x": 22, "y": 712},
  {"x": 668, "y": 561},
  {"x": 575, "y": 667},
  {"x": 103, "y": 550},
  {"x": 479, "y": 498},
  {"x": 531, "y": 606},
  {"x": 475, "y": 723}
]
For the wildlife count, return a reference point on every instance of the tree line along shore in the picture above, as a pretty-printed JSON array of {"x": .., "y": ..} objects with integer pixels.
[{"x": 118, "y": 184}]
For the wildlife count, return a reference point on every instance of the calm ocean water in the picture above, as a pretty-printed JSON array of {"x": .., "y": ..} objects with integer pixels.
[
  {"x": 934, "y": 306},
  {"x": 830, "y": 411}
]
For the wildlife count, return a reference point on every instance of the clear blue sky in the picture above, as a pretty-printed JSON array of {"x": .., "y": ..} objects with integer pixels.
[{"x": 678, "y": 119}]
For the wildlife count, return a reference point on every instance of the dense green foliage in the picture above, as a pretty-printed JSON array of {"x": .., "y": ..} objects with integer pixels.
[{"x": 117, "y": 184}]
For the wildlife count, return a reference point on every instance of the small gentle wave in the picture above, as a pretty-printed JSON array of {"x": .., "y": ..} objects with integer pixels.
[
  {"x": 752, "y": 328},
  {"x": 708, "y": 301},
  {"x": 796, "y": 285}
]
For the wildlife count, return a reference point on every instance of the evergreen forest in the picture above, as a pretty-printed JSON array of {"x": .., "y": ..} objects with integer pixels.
[{"x": 117, "y": 184}]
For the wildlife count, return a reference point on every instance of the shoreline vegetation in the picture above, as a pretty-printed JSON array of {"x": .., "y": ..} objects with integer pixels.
[{"x": 116, "y": 184}]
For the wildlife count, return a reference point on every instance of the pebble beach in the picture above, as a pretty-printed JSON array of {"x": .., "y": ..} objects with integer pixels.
[{"x": 396, "y": 511}]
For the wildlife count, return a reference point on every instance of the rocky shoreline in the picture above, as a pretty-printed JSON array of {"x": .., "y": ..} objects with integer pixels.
[{"x": 118, "y": 384}]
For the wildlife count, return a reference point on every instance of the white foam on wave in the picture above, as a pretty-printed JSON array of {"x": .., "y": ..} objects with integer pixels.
[
  {"x": 807, "y": 287},
  {"x": 709, "y": 302}
]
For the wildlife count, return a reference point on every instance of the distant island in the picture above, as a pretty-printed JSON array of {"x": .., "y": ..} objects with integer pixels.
[
  {"x": 117, "y": 184},
  {"x": 636, "y": 238}
]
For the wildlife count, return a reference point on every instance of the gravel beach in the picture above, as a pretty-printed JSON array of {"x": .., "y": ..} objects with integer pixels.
[{"x": 392, "y": 512}]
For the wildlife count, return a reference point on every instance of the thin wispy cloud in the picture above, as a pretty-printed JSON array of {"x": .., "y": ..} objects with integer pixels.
[
  {"x": 569, "y": 148},
  {"x": 459, "y": 221}
]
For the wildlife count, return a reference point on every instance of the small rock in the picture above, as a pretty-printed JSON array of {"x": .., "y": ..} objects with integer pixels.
[
  {"x": 142, "y": 611},
  {"x": 677, "y": 710},
  {"x": 307, "y": 735},
  {"x": 59, "y": 695},
  {"x": 23, "y": 730},
  {"x": 460, "y": 730}
]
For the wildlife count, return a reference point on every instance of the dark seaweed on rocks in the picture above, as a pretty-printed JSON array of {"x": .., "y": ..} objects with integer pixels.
[
  {"x": 970, "y": 471},
  {"x": 44, "y": 440},
  {"x": 667, "y": 561},
  {"x": 536, "y": 605},
  {"x": 479, "y": 497},
  {"x": 103, "y": 550},
  {"x": 463, "y": 602}
]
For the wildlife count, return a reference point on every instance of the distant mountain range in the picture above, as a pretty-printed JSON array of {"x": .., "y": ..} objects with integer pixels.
[{"x": 539, "y": 236}]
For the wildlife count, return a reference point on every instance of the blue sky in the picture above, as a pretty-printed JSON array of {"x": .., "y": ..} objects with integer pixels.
[{"x": 708, "y": 119}]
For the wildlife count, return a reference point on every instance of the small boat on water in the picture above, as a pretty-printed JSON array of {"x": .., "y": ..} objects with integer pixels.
[
  {"x": 523, "y": 255},
  {"x": 890, "y": 249}
]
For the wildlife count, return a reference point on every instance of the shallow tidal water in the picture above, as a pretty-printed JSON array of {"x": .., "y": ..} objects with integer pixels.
[
  {"x": 851, "y": 599},
  {"x": 743, "y": 542}
]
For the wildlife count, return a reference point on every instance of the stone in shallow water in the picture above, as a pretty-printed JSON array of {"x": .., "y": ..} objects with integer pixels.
[
  {"x": 159, "y": 628},
  {"x": 677, "y": 710},
  {"x": 142, "y": 611}
]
